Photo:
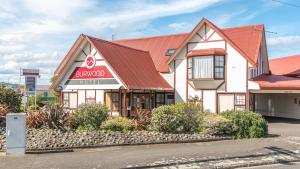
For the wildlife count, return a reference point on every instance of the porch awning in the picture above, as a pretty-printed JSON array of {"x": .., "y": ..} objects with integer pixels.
[{"x": 277, "y": 82}]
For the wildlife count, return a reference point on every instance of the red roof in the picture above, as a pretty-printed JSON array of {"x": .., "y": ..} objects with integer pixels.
[
  {"x": 246, "y": 38},
  {"x": 157, "y": 47},
  {"x": 277, "y": 82},
  {"x": 289, "y": 65},
  {"x": 203, "y": 52},
  {"x": 134, "y": 67}
]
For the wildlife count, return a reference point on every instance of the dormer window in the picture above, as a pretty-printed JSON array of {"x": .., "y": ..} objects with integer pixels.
[
  {"x": 170, "y": 52},
  {"x": 206, "y": 67}
]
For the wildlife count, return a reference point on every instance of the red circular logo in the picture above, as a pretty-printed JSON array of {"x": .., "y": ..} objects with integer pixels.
[{"x": 90, "y": 61}]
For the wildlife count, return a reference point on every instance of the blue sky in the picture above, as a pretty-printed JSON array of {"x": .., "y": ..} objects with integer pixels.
[{"x": 37, "y": 33}]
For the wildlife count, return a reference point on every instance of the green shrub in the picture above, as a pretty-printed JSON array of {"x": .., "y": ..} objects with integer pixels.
[
  {"x": 178, "y": 118},
  {"x": 247, "y": 124},
  {"x": 31, "y": 101},
  {"x": 89, "y": 116},
  {"x": 193, "y": 110},
  {"x": 10, "y": 98},
  {"x": 214, "y": 124},
  {"x": 117, "y": 124},
  {"x": 85, "y": 128}
]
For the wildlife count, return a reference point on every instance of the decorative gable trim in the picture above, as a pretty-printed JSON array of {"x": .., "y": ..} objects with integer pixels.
[{"x": 217, "y": 30}]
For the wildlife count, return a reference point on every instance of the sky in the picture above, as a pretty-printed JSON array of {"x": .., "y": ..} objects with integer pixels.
[{"x": 39, "y": 33}]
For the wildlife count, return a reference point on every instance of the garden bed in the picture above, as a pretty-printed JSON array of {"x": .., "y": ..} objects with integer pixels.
[{"x": 48, "y": 139}]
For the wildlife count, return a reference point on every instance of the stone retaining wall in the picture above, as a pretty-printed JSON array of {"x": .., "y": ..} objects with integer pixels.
[{"x": 46, "y": 139}]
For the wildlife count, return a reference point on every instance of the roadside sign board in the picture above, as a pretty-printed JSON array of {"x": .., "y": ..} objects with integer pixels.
[
  {"x": 31, "y": 72},
  {"x": 30, "y": 83}
]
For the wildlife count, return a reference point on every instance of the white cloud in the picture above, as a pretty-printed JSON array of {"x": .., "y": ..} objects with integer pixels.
[
  {"x": 37, "y": 33},
  {"x": 223, "y": 19},
  {"x": 180, "y": 26},
  {"x": 149, "y": 11},
  {"x": 284, "y": 44}
]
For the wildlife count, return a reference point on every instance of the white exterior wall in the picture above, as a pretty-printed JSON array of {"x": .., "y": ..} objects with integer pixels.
[
  {"x": 100, "y": 96},
  {"x": 208, "y": 45},
  {"x": 180, "y": 94},
  {"x": 81, "y": 96},
  {"x": 236, "y": 71},
  {"x": 209, "y": 100},
  {"x": 169, "y": 77}
]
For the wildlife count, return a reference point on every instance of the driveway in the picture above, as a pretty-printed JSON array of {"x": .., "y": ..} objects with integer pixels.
[
  {"x": 164, "y": 154},
  {"x": 284, "y": 127}
]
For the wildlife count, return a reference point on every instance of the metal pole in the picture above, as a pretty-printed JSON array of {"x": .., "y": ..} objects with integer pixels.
[
  {"x": 35, "y": 94},
  {"x": 25, "y": 94}
]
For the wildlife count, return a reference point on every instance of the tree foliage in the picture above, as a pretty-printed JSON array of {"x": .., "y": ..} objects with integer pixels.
[{"x": 10, "y": 98}]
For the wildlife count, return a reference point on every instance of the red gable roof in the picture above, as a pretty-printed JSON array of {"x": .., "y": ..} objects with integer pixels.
[
  {"x": 157, "y": 47},
  {"x": 246, "y": 38},
  {"x": 134, "y": 67},
  {"x": 277, "y": 82},
  {"x": 289, "y": 65}
]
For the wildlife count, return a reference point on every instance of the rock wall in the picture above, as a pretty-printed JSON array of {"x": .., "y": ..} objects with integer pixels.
[{"x": 46, "y": 139}]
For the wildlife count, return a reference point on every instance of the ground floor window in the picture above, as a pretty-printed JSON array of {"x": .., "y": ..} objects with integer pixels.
[
  {"x": 239, "y": 102},
  {"x": 90, "y": 96},
  {"x": 141, "y": 101},
  {"x": 70, "y": 100},
  {"x": 160, "y": 99},
  {"x": 112, "y": 100},
  {"x": 147, "y": 100}
]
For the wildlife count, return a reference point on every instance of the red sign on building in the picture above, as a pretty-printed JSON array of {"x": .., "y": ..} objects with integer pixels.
[{"x": 96, "y": 72}]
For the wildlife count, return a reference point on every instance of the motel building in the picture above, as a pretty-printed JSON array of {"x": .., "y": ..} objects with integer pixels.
[{"x": 221, "y": 69}]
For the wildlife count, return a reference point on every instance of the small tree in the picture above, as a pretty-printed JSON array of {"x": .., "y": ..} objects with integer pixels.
[{"x": 10, "y": 98}]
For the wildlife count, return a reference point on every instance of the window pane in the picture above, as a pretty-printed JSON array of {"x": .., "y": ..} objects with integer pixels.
[
  {"x": 115, "y": 97},
  {"x": 170, "y": 98},
  {"x": 238, "y": 108},
  {"x": 219, "y": 60},
  {"x": 66, "y": 96},
  {"x": 160, "y": 98},
  {"x": 240, "y": 99},
  {"x": 112, "y": 101},
  {"x": 219, "y": 72},
  {"x": 190, "y": 62},
  {"x": 203, "y": 67},
  {"x": 252, "y": 73}
]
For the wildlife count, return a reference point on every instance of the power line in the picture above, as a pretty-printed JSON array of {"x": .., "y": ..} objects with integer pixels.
[{"x": 286, "y": 3}]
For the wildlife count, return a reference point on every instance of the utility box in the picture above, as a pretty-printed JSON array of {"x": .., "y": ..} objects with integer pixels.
[{"x": 15, "y": 133}]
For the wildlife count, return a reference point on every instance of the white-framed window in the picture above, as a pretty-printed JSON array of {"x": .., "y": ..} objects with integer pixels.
[
  {"x": 66, "y": 100},
  {"x": 112, "y": 101},
  {"x": 252, "y": 72},
  {"x": 206, "y": 67},
  {"x": 239, "y": 102},
  {"x": 70, "y": 100}
]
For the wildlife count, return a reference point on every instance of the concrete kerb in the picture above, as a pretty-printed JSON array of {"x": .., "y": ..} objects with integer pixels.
[{"x": 72, "y": 149}]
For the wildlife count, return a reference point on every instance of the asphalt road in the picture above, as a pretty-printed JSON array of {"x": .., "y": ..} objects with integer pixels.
[{"x": 145, "y": 155}]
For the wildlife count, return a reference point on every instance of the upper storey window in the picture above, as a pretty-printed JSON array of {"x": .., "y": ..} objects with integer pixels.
[{"x": 206, "y": 67}]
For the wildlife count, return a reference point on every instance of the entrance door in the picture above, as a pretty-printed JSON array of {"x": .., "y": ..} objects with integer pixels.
[{"x": 226, "y": 102}]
